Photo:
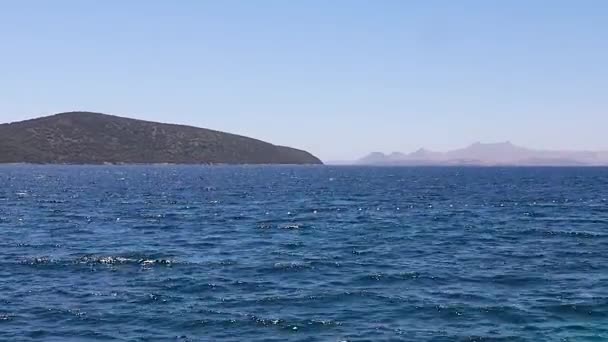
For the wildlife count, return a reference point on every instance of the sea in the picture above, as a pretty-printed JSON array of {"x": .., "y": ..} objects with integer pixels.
[{"x": 303, "y": 253}]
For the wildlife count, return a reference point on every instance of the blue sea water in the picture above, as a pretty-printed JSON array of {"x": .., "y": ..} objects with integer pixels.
[{"x": 176, "y": 253}]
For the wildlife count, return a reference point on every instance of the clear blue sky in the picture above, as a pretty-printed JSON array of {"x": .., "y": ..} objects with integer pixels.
[{"x": 339, "y": 78}]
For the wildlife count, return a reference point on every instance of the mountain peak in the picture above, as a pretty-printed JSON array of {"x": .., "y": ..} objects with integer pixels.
[
  {"x": 502, "y": 143},
  {"x": 422, "y": 153}
]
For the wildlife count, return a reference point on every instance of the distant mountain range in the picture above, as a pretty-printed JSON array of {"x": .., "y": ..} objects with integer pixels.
[
  {"x": 504, "y": 153},
  {"x": 95, "y": 138}
]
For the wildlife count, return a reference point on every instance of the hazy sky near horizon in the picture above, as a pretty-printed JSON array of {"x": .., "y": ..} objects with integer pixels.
[{"x": 339, "y": 78}]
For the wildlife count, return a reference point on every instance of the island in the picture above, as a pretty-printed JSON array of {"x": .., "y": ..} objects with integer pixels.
[
  {"x": 488, "y": 154},
  {"x": 95, "y": 138}
]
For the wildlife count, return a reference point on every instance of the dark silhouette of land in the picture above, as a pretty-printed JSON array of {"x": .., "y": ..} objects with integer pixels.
[
  {"x": 94, "y": 138},
  {"x": 504, "y": 153}
]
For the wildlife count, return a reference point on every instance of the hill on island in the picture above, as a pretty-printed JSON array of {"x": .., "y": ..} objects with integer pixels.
[
  {"x": 94, "y": 138},
  {"x": 503, "y": 153}
]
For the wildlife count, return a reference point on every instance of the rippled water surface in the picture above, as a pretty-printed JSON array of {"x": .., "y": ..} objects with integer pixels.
[{"x": 165, "y": 253}]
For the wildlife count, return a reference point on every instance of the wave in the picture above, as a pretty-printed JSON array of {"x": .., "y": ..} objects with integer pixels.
[
  {"x": 397, "y": 277},
  {"x": 565, "y": 233},
  {"x": 101, "y": 260}
]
